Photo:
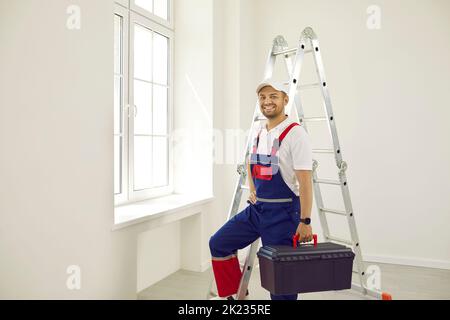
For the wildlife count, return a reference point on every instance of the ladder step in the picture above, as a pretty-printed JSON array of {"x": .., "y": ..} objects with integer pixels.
[
  {"x": 313, "y": 119},
  {"x": 339, "y": 212},
  {"x": 326, "y": 181},
  {"x": 309, "y": 86},
  {"x": 289, "y": 52},
  {"x": 245, "y": 187},
  {"x": 260, "y": 119},
  {"x": 322, "y": 150},
  {"x": 343, "y": 241},
  {"x": 304, "y": 86}
]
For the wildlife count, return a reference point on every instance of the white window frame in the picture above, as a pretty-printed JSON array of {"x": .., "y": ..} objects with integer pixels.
[
  {"x": 122, "y": 197},
  {"x": 166, "y": 23},
  {"x": 124, "y": 3},
  {"x": 136, "y": 195},
  {"x": 131, "y": 18}
]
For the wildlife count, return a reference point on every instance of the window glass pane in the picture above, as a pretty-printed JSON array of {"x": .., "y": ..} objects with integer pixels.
[
  {"x": 160, "y": 58},
  {"x": 142, "y": 162},
  {"x": 117, "y": 43},
  {"x": 160, "y": 109},
  {"x": 143, "y": 110},
  {"x": 160, "y": 161},
  {"x": 160, "y": 8},
  {"x": 117, "y": 164},
  {"x": 142, "y": 53},
  {"x": 145, "y": 4},
  {"x": 117, "y": 104}
]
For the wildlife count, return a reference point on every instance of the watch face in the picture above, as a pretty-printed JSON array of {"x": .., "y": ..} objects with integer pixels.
[{"x": 307, "y": 220}]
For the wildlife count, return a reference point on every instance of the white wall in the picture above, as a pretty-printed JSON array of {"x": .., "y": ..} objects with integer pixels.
[
  {"x": 389, "y": 92},
  {"x": 193, "y": 90},
  {"x": 226, "y": 103},
  {"x": 56, "y": 198},
  {"x": 156, "y": 261}
]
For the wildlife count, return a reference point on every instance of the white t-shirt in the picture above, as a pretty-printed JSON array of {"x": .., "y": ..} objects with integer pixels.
[{"x": 295, "y": 152}]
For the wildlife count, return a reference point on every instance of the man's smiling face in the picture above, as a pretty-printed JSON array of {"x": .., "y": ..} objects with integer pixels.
[{"x": 272, "y": 102}]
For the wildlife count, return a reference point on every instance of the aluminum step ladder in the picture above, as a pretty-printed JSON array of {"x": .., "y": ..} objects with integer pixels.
[{"x": 308, "y": 44}]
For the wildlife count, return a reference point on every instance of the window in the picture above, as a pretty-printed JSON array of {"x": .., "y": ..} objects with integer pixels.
[
  {"x": 158, "y": 10},
  {"x": 142, "y": 100}
]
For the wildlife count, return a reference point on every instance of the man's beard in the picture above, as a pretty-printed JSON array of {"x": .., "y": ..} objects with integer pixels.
[{"x": 272, "y": 115}]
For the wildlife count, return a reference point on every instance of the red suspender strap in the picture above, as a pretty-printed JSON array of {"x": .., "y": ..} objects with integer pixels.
[
  {"x": 277, "y": 144},
  {"x": 274, "y": 151},
  {"x": 286, "y": 131},
  {"x": 255, "y": 145}
]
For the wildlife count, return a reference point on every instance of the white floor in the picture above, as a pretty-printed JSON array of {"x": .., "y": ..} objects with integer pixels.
[{"x": 402, "y": 282}]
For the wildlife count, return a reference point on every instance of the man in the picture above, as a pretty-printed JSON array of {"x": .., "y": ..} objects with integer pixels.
[{"x": 280, "y": 156}]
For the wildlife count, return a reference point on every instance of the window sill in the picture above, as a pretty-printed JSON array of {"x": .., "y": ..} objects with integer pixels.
[{"x": 142, "y": 211}]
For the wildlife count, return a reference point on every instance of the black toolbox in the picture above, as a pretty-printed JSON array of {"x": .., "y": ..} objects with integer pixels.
[{"x": 307, "y": 268}]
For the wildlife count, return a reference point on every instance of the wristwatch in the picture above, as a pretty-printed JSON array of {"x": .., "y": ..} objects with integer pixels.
[{"x": 306, "y": 221}]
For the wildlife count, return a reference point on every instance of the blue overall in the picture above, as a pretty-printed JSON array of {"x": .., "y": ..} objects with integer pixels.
[{"x": 274, "y": 222}]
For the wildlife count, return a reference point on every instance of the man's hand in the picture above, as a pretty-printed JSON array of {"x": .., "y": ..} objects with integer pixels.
[
  {"x": 304, "y": 232},
  {"x": 252, "y": 197}
]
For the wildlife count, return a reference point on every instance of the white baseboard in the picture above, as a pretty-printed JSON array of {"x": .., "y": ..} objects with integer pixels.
[
  {"x": 205, "y": 265},
  {"x": 407, "y": 261}
]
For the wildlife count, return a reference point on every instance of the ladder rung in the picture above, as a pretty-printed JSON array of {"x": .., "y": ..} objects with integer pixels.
[
  {"x": 313, "y": 119},
  {"x": 245, "y": 187},
  {"x": 304, "y": 86},
  {"x": 322, "y": 150},
  {"x": 289, "y": 51},
  {"x": 309, "y": 86},
  {"x": 260, "y": 118},
  {"x": 327, "y": 181},
  {"x": 339, "y": 212},
  {"x": 355, "y": 270},
  {"x": 340, "y": 240}
]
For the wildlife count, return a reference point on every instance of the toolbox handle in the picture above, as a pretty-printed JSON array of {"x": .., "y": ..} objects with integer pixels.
[{"x": 296, "y": 237}]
